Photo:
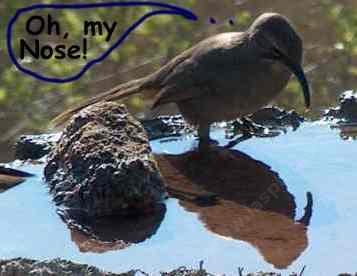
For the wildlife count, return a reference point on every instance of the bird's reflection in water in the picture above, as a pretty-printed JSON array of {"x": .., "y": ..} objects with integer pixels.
[
  {"x": 111, "y": 233},
  {"x": 239, "y": 198}
]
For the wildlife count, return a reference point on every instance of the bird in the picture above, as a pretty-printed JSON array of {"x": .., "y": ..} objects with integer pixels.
[{"x": 223, "y": 77}]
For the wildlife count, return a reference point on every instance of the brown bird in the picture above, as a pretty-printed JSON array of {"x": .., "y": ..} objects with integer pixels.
[{"x": 223, "y": 77}]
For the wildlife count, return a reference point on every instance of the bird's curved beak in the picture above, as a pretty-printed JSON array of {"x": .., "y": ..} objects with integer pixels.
[{"x": 299, "y": 73}]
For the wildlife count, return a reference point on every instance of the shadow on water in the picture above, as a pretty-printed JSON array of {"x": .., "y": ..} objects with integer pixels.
[
  {"x": 111, "y": 233},
  {"x": 240, "y": 198}
]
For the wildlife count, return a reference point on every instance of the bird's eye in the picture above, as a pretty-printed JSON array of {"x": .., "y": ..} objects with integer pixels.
[
  {"x": 273, "y": 54},
  {"x": 276, "y": 53}
]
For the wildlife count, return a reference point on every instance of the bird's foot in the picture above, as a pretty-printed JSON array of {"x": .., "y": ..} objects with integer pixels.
[
  {"x": 206, "y": 145},
  {"x": 238, "y": 140},
  {"x": 245, "y": 128}
]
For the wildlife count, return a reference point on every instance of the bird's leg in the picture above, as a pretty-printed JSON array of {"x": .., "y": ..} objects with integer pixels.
[
  {"x": 204, "y": 140},
  {"x": 240, "y": 139}
]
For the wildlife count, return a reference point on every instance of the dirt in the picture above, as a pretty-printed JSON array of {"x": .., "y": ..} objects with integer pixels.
[
  {"x": 59, "y": 267},
  {"x": 56, "y": 267}
]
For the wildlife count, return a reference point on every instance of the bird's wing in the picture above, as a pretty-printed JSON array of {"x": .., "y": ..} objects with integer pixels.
[{"x": 187, "y": 75}]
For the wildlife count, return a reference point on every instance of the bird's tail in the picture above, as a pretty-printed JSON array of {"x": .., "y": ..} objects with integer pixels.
[{"x": 116, "y": 93}]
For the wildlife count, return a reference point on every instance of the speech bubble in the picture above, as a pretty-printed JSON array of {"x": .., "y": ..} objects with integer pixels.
[{"x": 165, "y": 9}]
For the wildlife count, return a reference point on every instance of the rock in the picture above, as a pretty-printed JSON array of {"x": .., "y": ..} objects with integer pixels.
[
  {"x": 103, "y": 166},
  {"x": 34, "y": 146},
  {"x": 266, "y": 122},
  {"x": 59, "y": 267},
  {"x": 166, "y": 126},
  {"x": 344, "y": 117},
  {"x": 276, "y": 117},
  {"x": 111, "y": 233},
  {"x": 346, "y": 112},
  {"x": 56, "y": 267},
  {"x": 183, "y": 271}
]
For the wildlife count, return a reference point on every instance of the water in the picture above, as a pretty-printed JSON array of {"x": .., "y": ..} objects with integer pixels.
[{"x": 313, "y": 159}]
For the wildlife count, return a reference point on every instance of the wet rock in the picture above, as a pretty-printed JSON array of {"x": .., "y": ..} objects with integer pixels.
[
  {"x": 344, "y": 117},
  {"x": 166, "y": 126},
  {"x": 183, "y": 271},
  {"x": 34, "y": 146},
  {"x": 58, "y": 267},
  {"x": 102, "y": 164},
  {"x": 277, "y": 117},
  {"x": 266, "y": 122},
  {"x": 346, "y": 112}
]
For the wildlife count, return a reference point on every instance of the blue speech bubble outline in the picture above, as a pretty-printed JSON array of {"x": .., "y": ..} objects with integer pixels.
[{"x": 173, "y": 10}]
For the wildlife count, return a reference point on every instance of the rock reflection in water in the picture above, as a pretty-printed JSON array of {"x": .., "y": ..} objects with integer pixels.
[
  {"x": 243, "y": 200},
  {"x": 111, "y": 233}
]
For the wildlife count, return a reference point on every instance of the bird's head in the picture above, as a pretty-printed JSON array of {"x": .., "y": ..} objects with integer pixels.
[{"x": 278, "y": 41}]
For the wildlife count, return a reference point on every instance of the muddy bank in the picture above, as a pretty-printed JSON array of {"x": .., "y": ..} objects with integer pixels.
[{"x": 59, "y": 267}]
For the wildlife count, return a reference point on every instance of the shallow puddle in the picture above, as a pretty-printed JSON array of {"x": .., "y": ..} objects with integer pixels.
[{"x": 261, "y": 216}]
